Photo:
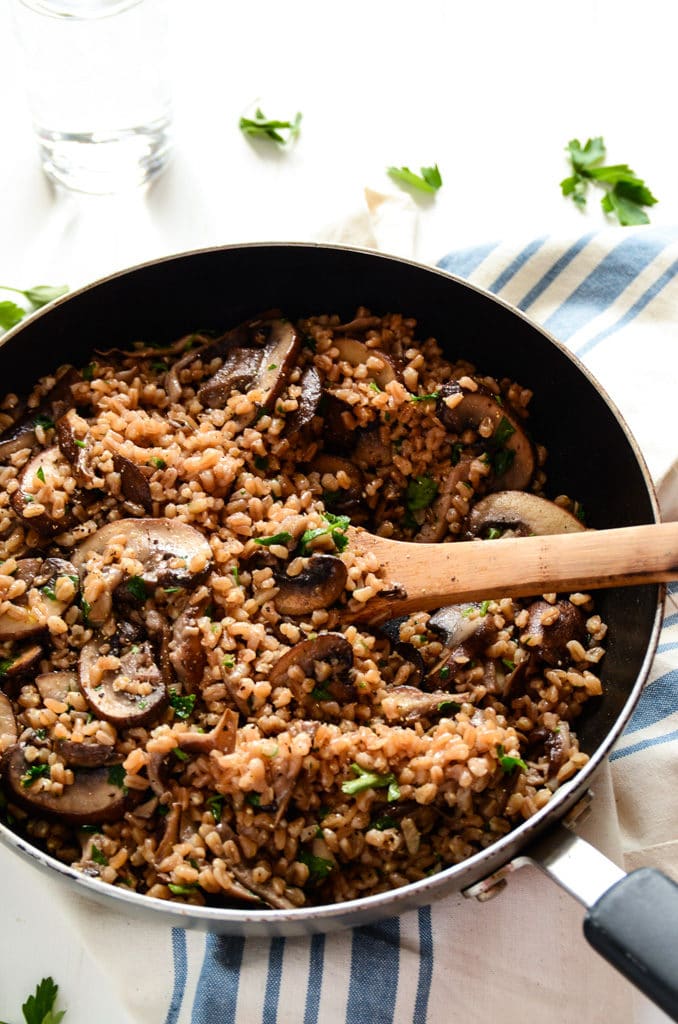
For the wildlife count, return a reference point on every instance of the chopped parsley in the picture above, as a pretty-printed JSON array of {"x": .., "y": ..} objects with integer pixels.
[
  {"x": 98, "y": 857},
  {"x": 88, "y": 371},
  {"x": 236, "y": 575},
  {"x": 374, "y": 387},
  {"x": 504, "y": 431},
  {"x": 116, "y": 776},
  {"x": 371, "y": 780},
  {"x": 260, "y": 125},
  {"x": 494, "y": 533},
  {"x": 384, "y": 822},
  {"x": 277, "y": 538},
  {"x": 180, "y": 890},
  {"x": 80, "y": 444},
  {"x": 40, "y": 473},
  {"x": 318, "y": 867},
  {"x": 510, "y": 665},
  {"x": 336, "y": 529},
  {"x": 421, "y": 492},
  {"x": 229, "y": 661},
  {"x": 508, "y": 762},
  {"x": 44, "y": 421},
  {"x": 183, "y": 703},
  {"x": 429, "y": 180},
  {"x": 158, "y": 463},
  {"x": 254, "y": 799},
  {"x": 444, "y": 672},
  {"x": 261, "y": 462},
  {"x": 320, "y": 692},
  {"x": 215, "y": 805},
  {"x": 180, "y": 754},
  {"x": 49, "y": 592},
  {"x": 484, "y": 607},
  {"x": 425, "y": 398},
  {"x": 136, "y": 588},
  {"x": 449, "y": 706},
  {"x": 33, "y": 772}
]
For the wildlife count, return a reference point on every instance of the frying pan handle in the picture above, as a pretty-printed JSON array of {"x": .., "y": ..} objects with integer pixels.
[{"x": 634, "y": 925}]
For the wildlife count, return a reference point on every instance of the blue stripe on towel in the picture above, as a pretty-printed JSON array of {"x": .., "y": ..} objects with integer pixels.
[
  {"x": 606, "y": 282},
  {"x": 637, "y": 307},
  {"x": 180, "y": 973},
  {"x": 463, "y": 263},
  {"x": 654, "y": 741},
  {"x": 375, "y": 962},
  {"x": 315, "y": 979},
  {"x": 216, "y": 996},
  {"x": 554, "y": 270},
  {"x": 659, "y": 700},
  {"x": 516, "y": 264},
  {"x": 425, "y": 965},
  {"x": 272, "y": 994}
]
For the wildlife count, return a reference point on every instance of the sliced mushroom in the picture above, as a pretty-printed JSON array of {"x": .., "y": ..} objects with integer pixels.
[
  {"x": 409, "y": 704},
  {"x": 344, "y": 499},
  {"x": 356, "y": 353},
  {"x": 266, "y": 369},
  {"x": 550, "y": 627},
  {"x": 307, "y": 403},
  {"x": 372, "y": 448},
  {"x": 221, "y": 737},
  {"x": 359, "y": 323},
  {"x": 133, "y": 693},
  {"x": 92, "y": 798},
  {"x": 318, "y": 586},
  {"x": 57, "y": 685},
  {"x": 331, "y": 648},
  {"x": 243, "y": 875},
  {"x": 87, "y": 755},
  {"x": 520, "y": 514},
  {"x": 186, "y": 652},
  {"x": 514, "y": 460},
  {"x": 8, "y": 726},
  {"x": 54, "y": 404},
  {"x": 457, "y": 625},
  {"x": 338, "y": 435},
  {"x": 133, "y": 482},
  {"x": 170, "y": 835},
  {"x": 22, "y": 663},
  {"x": 435, "y": 524},
  {"x": 47, "y": 468},
  {"x": 43, "y": 576},
  {"x": 71, "y": 432},
  {"x": 172, "y": 553}
]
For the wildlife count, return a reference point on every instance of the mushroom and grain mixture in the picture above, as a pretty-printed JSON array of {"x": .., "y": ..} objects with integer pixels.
[{"x": 192, "y": 705}]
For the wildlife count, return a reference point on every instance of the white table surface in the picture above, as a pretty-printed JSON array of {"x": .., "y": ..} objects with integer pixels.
[{"x": 491, "y": 91}]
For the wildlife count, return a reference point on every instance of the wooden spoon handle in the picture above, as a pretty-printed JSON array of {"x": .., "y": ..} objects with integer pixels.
[{"x": 431, "y": 575}]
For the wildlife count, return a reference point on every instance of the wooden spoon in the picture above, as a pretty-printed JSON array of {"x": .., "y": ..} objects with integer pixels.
[{"x": 426, "y": 576}]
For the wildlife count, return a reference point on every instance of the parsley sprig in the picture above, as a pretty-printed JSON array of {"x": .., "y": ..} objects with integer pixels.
[
  {"x": 11, "y": 313},
  {"x": 429, "y": 180},
  {"x": 183, "y": 703},
  {"x": 371, "y": 780},
  {"x": 508, "y": 762},
  {"x": 39, "y": 1008},
  {"x": 260, "y": 125},
  {"x": 625, "y": 193}
]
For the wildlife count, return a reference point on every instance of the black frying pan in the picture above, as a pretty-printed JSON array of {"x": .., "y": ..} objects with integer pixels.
[{"x": 591, "y": 456}]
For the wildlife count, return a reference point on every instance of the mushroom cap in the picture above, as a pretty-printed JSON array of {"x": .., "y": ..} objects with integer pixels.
[
  {"x": 522, "y": 514},
  {"x": 37, "y": 574},
  {"x": 48, "y": 463},
  {"x": 330, "y": 647},
  {"x": 356, "y": 353},
  {"x": 107, "y": 698},
  {"x": 172, "y": 553},
  {"x": 91, "y": 799},
  {"x": 550, "y": 627},
  {"x": 318, "y": 586},
  {"x": 8, "y": 726}
]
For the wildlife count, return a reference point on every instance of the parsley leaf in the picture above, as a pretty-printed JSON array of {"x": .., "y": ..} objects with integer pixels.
[
  {"x": 10, "y": 314},
  {"x": 116, "y": 776},
  {"x": 508, "y": 762},
  {"x": 425, "y": 398},
  {"x": 136, "y": 588},
  {"x": 277, "y": 538},
  {"x": 625, "y": 193},
  {"x": 180, "y": 890},
  {"x": 39, "y": 1008},
  {"x": 98, "y": 857},
  {"x": 336, "y": 529},
  {"x": 318, "y": 867},
  {"x": 183, "y": 703},
  {"x": 215, "y": 805},
  {"x": 260, "y": 125},
  {"x": 33, "y": 772},
  {"x": 421, "y": 492},
  {"x": 371, "y": 780},
  {"x": 430, "y": 179},
  {"x": 40, "y": 295}
]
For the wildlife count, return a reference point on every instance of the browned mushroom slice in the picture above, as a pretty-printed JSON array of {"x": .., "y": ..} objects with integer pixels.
[
  {"x": 57, "y": 685},
  {"x": 43, "y": 576},
  {"x": 330, "y": 648},
  {"x": 92, "y": 797},
  {"x": 520, "y": 514},
  {"x": 172, "y": 553},
  {"x": 457, "y": 625},
  {"x": 21, "y": 434},
  {"x": 22, "y": 662},
  {"x": 372, "y": 448},
  {"x": 221, "y": 737},
  {"x": 337, "y": 433},
  {"x": 318, "y": 586},
  {"x": 8, "y": 726},
  {"x": 132, "y": 693},
  {"x": 435, "y": 524},
  {"x": 244, "y": 874},
  {"x": 133, "y": 482},
  {"x": 307, "y": 402},
  {"x": 550, "y": 627},
  {"x": 170, "y": 835},
  {"x": 359, "y": 323},
  {"x": 357, "y": 353},
  {"x": 409, "y": 704},
  {"x": 186, "y": 652},
  {"x": 277, "y": 361},
  {"x": 512, "y": 454},
  {"x": 238, "y": 373},
  {"x": 71, "y": 432},
  {"x": 87, "y": 755},
  {"x": 48, "y": 469}
]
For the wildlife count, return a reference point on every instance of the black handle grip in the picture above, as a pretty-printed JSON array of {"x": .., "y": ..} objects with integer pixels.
[{"x": 634, "y": 925}]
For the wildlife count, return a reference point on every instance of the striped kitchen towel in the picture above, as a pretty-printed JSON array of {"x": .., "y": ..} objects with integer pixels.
[{"x": 610, "y": 298}]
